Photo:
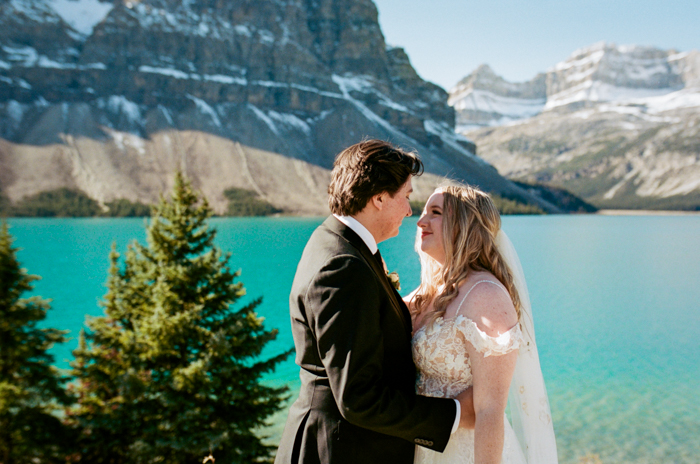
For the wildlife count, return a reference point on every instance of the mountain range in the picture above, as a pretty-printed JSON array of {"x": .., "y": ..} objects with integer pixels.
[
  {"x": 111, "y": 97},
  {"x": 617, "y": 125}
]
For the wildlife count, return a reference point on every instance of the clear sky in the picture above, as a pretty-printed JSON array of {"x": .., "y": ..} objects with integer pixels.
[{"x": 447, "y": 39}]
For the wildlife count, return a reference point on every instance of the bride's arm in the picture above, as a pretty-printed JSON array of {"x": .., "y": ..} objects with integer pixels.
[
  {"x": 494, "y": 314},
  {"x": 492, "y": 377}
]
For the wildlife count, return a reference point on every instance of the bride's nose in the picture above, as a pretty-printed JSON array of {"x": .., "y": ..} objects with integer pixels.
[{"x": 422, "y": 223}]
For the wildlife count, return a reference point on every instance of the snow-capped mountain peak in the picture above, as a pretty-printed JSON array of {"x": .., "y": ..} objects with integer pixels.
[
  {"x": 600, "y": 73},
  {"x": 485, "y": 99},
  {"x": 618, "y": 125}
]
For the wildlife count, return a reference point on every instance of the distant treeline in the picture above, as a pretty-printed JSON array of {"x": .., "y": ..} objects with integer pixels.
[
  {"x": 515, "y": 204},
  {"x": 65, "y": 202},
  {"x": 504, "y": 205},
  {"x": 689, "y": 202},
  {"x": 559, "y": 197},
  {"x": 243, "y": 202},
  {"x": 512, "y": 206}
]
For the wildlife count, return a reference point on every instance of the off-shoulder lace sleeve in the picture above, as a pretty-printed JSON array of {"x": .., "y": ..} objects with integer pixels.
[{"x": 486, "y": 344}]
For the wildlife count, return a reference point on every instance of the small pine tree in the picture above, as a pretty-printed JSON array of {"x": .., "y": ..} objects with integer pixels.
[
  {"x": 31, "y": 389},
  {"x": 172, "y": 372}
]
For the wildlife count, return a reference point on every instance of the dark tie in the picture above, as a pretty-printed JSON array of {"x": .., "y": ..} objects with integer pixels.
[
  {"x": 402, "y": 310},
  {"x": 378, "y": 257}
]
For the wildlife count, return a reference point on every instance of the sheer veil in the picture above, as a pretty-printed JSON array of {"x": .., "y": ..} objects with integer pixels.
[{"x": 529, "y": 405}]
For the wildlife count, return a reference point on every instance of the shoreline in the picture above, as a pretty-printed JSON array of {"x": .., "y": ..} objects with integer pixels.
[
  {"x": 645, "y": 212},
  {"x": 601, "y": 212}
]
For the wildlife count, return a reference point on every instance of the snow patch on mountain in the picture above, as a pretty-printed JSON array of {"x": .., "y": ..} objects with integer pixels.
[
  {"x": 205, "y": 108},
  {"x": 590, "y": 57},
  {"x": 595, "y": 91},
  {"x": 24, "y": 56},
  {"x": 178, "y": 74},
  {"x": 170, "y": 72},
  {"x": 82, "y": 15},
  {"x": 35, "y": 10},
  {"x": 360, "y": 83},
  {"x": 686, "y": 98},
  {"x": 185, "y": 20},
  {"x": 120, "y": 105},
  {"x": 168, "y": 117},
  {"x": 291, "y": 121},
  {"x": 504, "y": 109},
  {"x": 264, "y": 118},
  {"x": 242, "y": 29},
  {"x": 16, "y": 82},
  {"x": 450, "y": 137},
  {"x": 15, "y": 111},
  {"x": 225, "y": 79},
  {"x": 125, "y": 140},
  {"x": 28, "y": 57}
]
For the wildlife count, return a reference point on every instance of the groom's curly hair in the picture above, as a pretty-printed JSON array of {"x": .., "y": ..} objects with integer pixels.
[{"x": 367, "y": 169}]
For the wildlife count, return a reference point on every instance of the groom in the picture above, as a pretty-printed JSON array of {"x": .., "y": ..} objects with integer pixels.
[{"x": 352, "y": 331}]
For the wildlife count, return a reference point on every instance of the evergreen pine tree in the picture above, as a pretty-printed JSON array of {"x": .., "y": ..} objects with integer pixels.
[
  {"x": 172, "y": 372},
  {"x": 31, "y": 389}
]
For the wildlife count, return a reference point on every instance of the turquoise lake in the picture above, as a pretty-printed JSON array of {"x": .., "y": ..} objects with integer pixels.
[{"x": 616, "y": 302}]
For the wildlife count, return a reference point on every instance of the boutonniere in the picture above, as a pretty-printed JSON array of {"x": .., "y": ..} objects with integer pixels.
[{"x": 394, "y": 279}]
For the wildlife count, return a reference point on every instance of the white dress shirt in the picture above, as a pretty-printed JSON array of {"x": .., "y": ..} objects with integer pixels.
[
  {"x": 360, "y": 230},
  {"x": 371, "y": 243}
]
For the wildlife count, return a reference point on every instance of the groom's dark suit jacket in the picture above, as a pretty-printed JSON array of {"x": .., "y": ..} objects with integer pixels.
[{"x": 352, "y": 334}]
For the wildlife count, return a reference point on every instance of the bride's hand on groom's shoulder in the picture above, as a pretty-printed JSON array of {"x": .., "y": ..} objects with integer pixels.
[{"x": 467, "y": 419}]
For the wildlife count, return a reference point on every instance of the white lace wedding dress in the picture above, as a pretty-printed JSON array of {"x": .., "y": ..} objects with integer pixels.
[{"x": 444, "y": 370}]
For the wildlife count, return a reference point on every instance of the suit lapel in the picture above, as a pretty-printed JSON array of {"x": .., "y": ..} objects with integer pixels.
[
  {"x": 348, "y": 234},
  {"x": 404, "y": 309}
]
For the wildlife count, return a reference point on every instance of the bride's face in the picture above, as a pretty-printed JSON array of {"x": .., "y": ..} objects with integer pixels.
[{"x": 430, "y": 226}]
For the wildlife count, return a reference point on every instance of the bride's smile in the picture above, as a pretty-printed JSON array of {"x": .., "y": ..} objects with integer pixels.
[{"x": 430, "y": 228}]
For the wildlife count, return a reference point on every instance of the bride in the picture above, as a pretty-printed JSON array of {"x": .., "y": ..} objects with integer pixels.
[{"x": 472, "y": 327}]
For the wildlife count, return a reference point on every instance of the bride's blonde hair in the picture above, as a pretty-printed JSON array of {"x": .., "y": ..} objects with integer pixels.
[{"x": 470, "y": 223}]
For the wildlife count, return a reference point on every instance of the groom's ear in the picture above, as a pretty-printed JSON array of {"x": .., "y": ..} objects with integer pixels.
[{"x": 378, "y": 200}]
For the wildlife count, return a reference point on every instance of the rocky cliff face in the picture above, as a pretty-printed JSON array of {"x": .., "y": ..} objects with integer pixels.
[
  {"x": 116, "y": 98},
  {"x": 618, "y": 126}
]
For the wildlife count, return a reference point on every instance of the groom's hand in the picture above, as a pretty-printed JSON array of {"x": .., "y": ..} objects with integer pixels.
[{"x": 466, "y": 402}]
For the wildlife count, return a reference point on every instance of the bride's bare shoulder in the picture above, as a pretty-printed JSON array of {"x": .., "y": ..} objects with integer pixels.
[{"x": 485, "y": 300}]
